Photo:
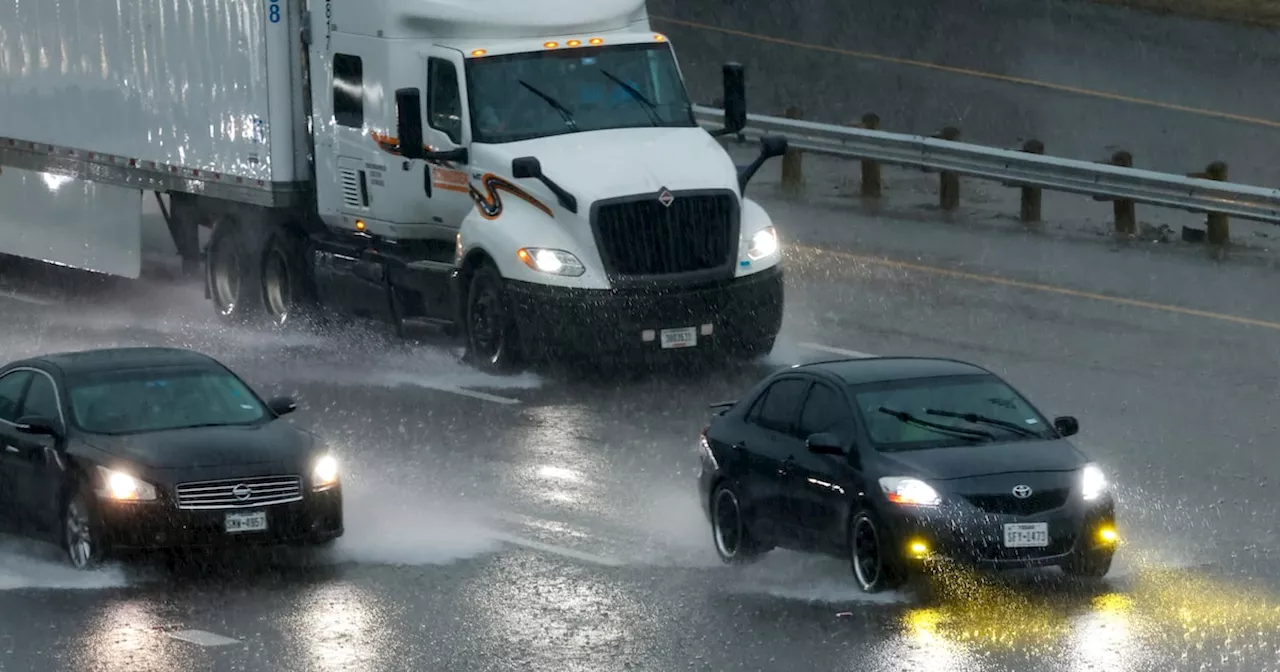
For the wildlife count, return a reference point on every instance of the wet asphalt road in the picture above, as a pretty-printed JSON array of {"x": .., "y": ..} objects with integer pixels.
[
  {"x": 549, "y": 522},
  {"x": 833, "y": 76}
]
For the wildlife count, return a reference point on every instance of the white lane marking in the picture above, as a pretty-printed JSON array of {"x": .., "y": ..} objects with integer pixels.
[
  {"x": 836, "y": 351},
  {"x": 464, "y": 392},
  {"x": 26, "y": 298},
  {"x": 552, "y": 549},
  {"x": 202, "y": 638}
]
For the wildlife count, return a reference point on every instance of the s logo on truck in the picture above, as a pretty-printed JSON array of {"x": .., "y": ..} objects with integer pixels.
[{"x": 666, "y": 198}]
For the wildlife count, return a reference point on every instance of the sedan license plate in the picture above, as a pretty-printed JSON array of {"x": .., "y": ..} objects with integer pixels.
[
  {"x": 1026, "y": 535},
  {"x": 680, "y": 338},
  {"x": 246, "y": 522}
]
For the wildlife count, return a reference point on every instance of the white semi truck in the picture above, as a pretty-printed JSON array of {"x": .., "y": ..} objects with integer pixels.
[{"x": 528, "y": 175}]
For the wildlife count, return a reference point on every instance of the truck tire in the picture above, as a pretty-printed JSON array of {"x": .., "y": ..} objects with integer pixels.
[
  {"x": 233, "y": 271},
  {"x": 287, "y": 296},
  {"x": 493, "y": 343}
]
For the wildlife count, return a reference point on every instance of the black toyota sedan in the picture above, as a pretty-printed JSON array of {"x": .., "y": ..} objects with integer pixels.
[
  {"x": 894, "y": 461},
  {"x": 147, "y": 448}
]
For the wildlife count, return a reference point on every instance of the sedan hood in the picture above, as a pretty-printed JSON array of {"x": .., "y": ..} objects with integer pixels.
[
  {"x": 209, "y": 446},
  {"x": 986, "y": 459}
]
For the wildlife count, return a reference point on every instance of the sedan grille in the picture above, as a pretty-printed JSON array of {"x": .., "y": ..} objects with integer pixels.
[
  {"x": 639, "y": 236},
  {"x": 240, "y": 493},
  {"x": 1008, "y": 505}
]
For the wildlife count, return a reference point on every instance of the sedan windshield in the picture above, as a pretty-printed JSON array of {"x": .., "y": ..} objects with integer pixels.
[
  {"x": 531, "y": 95},
  {"x": 952, "y": 411},
  {"x": 150, "y": 400}
]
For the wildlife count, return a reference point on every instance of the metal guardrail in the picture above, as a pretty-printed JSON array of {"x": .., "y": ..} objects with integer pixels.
[{"x": 1014, "y": 168}]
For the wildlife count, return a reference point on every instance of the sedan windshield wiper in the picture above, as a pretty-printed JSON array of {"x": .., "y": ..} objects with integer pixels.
[
  {"x": 984, "y": 420},
  {"x": 559, "y": 107},
  {"x": 959, "y": 432},
  {"x": 649, "y": 107}
]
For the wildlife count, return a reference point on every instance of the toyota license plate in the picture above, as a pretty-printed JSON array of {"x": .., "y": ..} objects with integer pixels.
[
  {"x": 1026, "y": 535},
  {"x": 680, "y": 338},
  {"x": 246, "y": 522}
]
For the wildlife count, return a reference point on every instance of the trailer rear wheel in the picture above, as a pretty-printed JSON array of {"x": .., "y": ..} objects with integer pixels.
[{"x": 232, "y": 275}]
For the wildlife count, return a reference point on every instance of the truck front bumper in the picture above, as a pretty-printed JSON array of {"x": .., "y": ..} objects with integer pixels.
[{"x": 744, "y": 313}]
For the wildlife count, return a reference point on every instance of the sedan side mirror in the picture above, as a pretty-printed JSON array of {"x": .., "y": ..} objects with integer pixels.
[
  {"x": 824, "y": 444},
  {"x": 37, "y": 426},
  {"x": 282, "y": 405},
  {"x": 1066, "y": 426}
]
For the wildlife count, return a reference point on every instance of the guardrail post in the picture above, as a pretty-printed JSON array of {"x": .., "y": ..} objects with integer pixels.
[
  {"x": 871, "y": 169},
  {"x": 792, "y": 175},
  {"x": 1217, "y": 223},
  {"x": 948, "y": 182},
  {"x": 1125, "y": 212},
  {"x": 1032, "y": 196}
]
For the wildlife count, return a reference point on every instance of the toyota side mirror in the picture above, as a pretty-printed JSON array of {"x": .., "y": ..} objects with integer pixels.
[
  {"x": 37, "y": 426},
  {"x": 824, "y": 444},
  {"x": 1066, "y": 426},
  {"x": 282, "y": 405}
]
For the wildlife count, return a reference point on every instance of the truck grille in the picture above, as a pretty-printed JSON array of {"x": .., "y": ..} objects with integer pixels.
[
  {"x": 240, "y": 493},
  {"x": 639, "y": 236},
  {"x": 1008, "y": 505}
]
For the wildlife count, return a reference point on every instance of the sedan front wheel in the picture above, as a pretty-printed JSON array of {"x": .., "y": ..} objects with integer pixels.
[{"x": 80, "y": 534}]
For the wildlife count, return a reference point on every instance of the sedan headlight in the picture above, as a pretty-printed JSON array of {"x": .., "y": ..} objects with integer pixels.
[
  {"x": 555, "y": 262},
  {"x": 1092, "y": 482},
  {"x": 123, "y": 487},
  {"x": 324, "y": 474},
  {"x": 909, "y": 491},
  {"x": 763, "y": 244}
]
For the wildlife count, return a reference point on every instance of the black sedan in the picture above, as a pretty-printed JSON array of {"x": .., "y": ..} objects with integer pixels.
[
  {"x": 895, "y": 461},
  {"x": 145, "y": 448}
]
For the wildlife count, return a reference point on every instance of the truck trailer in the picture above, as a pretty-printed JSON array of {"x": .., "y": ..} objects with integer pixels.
[{"x": 529, "y": 176}]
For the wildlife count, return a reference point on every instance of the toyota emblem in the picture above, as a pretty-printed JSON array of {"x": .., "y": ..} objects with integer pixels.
[
  {"x": 666, "y": 198},
  {"x": 241, "y": 492},
  {"x": 1022, "y": 491}
]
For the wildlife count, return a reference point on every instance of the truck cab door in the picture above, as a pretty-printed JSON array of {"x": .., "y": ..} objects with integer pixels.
[{"x": 447, "y": 128}]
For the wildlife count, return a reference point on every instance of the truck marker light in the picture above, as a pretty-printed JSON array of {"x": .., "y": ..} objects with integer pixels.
[
  {"x": 574, "y": 43},
  {"x": 478, "y": 52},
  {"x": 596, "y": 41},
  {"x": 360, "y": 225},
  {"x": 659, "y": 38},
  {"x": 551, "y": 45}
]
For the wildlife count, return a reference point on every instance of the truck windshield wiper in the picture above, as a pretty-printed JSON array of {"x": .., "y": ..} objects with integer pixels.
[
  {"x": 975, "y": 434},
  {"x": 559, "y": 107},
  {"x": 984, "y": 420},
  {"x": 649, "y": 107}
]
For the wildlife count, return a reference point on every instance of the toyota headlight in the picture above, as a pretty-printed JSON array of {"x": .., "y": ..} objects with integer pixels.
[
  {"x": 1092, "y": 482},
  {"x": 123, "y": 487},
  {"x": 909, "y": 491},
  {"x": 763, "y": 244},
  {"x": 555, "y": 262},
  {"x": 324, "y": 474}
]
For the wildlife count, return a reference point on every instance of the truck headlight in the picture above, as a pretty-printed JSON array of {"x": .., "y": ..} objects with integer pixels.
[
  {"x": 324, "y": 474},
  {"x": 122, "y": 487},
  {"x": 763, "y": 244},
  {"x": 555, "y": 262},
  {"x": 909, "y": 491},
  {"x": 1092, "y": 482}
]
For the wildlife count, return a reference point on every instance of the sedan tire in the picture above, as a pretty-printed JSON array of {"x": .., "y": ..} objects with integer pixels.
[
  {"x": 730, "y": 529},
  {"x": 80, "y": 534},
  {"x": 875, "y": 566}
]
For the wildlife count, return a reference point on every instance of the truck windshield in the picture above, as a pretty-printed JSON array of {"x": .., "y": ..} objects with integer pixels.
[{"x": 531, "y": 95}]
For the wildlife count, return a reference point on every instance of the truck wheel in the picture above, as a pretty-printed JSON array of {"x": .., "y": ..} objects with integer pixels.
[
  {"x": 492, "y": 340},
  {"x": 233, "y": 272},
  {"x": 286, "y": 295}
]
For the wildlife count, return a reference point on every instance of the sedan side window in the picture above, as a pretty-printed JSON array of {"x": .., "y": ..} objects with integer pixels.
[
  {"x": 781, "y": 405},
  {"x": 825, "y": 412},
  {"x": 41, "y": 399},
  {"x": 11, "y": 388}
]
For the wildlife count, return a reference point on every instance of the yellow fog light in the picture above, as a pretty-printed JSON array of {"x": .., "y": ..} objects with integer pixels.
[
  {"x": 918, "y": 549},
  {"x": 1108, "y": 535}
]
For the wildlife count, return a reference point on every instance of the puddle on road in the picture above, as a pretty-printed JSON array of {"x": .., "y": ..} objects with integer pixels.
[{"x": 31, "y": 565}]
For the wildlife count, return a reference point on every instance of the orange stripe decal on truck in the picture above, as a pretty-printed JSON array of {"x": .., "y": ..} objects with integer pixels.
[{"x": 490, "y": 202}]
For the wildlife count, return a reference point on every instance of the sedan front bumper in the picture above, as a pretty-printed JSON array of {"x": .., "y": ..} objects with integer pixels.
[{"x": 160, "y": 525}]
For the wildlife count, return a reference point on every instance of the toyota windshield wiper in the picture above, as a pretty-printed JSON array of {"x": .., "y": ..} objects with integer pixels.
[
  {"x": 959, "y": 432},
  {"x": 984, "y": 420},
  {"x": 649, "y": 107},
  {"x": 559, "y": 107}
]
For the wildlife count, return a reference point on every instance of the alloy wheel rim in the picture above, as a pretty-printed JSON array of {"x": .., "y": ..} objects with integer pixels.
[
  {"x": 728, "y": 524},
  {"x": 79, "y": 537},
  {"x": 866, "y": 553}
]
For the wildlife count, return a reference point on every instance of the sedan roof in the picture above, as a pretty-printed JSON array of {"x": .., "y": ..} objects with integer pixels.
[
  {"x": 865, "y": 370},
  {"x": 113, "y": 359}
]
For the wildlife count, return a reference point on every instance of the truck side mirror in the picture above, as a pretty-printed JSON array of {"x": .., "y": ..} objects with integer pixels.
[
  {"x": 526, "y": 168},
  {"x": 770, "y": 146},
  {"x": 735, "y": 98},
  {"x": 409, "y": 123}
]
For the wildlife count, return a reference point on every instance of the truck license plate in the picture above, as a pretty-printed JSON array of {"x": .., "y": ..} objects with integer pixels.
[
  {"x": 680, "y": 338},
  {"x": 246, "y": 522},
  {"x": 1026, "y": 535}
]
